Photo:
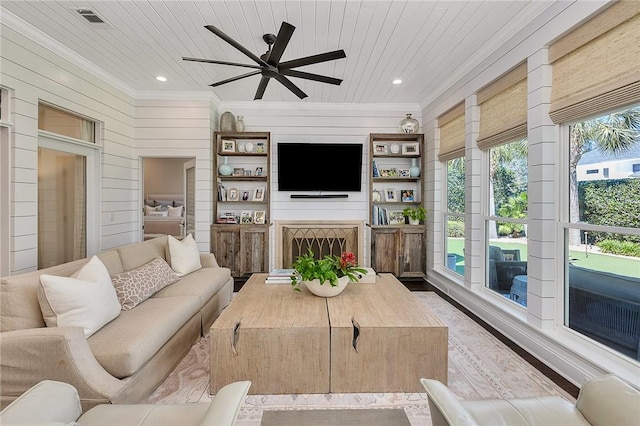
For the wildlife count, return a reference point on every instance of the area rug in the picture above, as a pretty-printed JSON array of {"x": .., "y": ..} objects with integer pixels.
[
  {"x": 351, "y": 417},
  {"x": 480, "y": 367}
]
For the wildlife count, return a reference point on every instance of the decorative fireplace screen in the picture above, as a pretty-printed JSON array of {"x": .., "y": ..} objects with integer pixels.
[{"x": 323, "y": 239}]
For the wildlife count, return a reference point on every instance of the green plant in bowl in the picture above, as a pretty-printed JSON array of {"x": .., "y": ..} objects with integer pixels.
[
  {"x": 416, "y": 214},
  {"x": 329, "y": 268}
]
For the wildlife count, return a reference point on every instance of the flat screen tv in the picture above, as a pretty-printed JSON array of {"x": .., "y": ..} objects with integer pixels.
[{"x": 319, "y": 167}]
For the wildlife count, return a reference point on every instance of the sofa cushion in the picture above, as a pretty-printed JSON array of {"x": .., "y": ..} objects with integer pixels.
[
  {"x": 135, "y": 286},
  {"x": 112, "y": 262},
  {"x": 124, "y": 345},
  {"x": 19, "y": 307},
  {"x": 184, "y": 256},
  {"x": 137, "y": 254},
  {"x": 203, "y": 283},
  {"x": 87, "y": 299}
]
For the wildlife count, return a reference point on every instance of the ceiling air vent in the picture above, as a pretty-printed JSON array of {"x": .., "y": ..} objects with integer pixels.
[{"x": 90, "y": 16}]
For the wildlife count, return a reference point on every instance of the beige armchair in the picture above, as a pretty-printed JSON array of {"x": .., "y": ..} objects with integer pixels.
[
  {"x": 51, "y": 403},
  {"x": 603, "y": 401}
]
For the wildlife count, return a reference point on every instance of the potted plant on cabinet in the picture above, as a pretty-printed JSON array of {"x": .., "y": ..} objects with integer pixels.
[{"x": 415, "y": 215}]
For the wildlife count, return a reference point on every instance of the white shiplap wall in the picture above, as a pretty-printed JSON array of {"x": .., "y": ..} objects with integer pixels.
[
  {"x": 320, "y": 123},
  {"x": 37, "y": 74},
  {"x": 181, "y": 128}
]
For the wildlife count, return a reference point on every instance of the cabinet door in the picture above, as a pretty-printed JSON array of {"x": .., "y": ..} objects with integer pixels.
[
  {"x": 384, "y": 250},
  {"x": 413, "y": 261},
  {"x": 254, "y": 242},
  {"x": 225, "y": 245}
]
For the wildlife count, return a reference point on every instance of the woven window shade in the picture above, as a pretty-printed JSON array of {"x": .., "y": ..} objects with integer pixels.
[
  {"x": 597, "y": 66},
  {"x": 451, "y": 125},
  {"x": 503, "y": 109}
]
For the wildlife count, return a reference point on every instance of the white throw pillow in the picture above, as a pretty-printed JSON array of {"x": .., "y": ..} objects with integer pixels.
[
  {"x": 148, "y": 210},
  {"x": 175, "y": 211},
  {"x": 87, "y": 299},
  {"x": 184, "y": 255}
]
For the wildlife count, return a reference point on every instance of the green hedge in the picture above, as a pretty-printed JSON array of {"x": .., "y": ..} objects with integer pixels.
[{"x": 612, "y": 202}]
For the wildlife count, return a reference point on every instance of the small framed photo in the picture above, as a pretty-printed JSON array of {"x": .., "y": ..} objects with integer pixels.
[
  {"x": 396, "y": 218},
  {"x": 411, "y": 148},
  {"x": 259, "y": 217},
  {"x": 390, "y": 195},
  {"x": 232, "y": 194},
  {"x": 246, "y": 217},
  {"x": 245, "y": 195},
  {"x": 247, "y": 172},
  {"x": 258, "y": 171},
  {"x": 380, "y": 148},
  {"x": 260, "y": 149},
  {"x": 238, "y": 171},
  {"x": 228, "y": 145},
  {"x": 258, "y": 194},
  {"x": 406, "y": 195},
  {"x": 404, "y": 173}
]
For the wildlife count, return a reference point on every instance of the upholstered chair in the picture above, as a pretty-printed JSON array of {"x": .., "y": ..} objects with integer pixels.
[
  {"x": 51, "y": 403},
  {"x": 603, "y": 401}
]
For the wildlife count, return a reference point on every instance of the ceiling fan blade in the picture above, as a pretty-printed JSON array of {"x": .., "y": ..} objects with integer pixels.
[
  {"x": 282, "y": 40},
  {"x": 261, "y": 88},
  {"x": 238, "y": 77},
  {"x": 235, "y": 44},
  {"x": 289, "y": 85},
  {"x": 211, "y": 61},
  {"x": 310, "y": 76},
  {"x": 314, "y": 59}
]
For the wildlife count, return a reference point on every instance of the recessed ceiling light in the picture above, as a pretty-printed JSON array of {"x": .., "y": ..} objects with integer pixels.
[
  {"x": 161, "y": 78},
  {"x": 397, "y": 81}
]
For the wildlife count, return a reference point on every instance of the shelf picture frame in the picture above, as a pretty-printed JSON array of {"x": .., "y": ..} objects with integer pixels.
[
  {"x": 246, "y": 217},
  {"x": 390, "y": 195},
  {"x": 396, "y": 218},
  {"x": 258, "y": 194},
  {"x": 238, "y": 171},
  {"x": 380, "y": 148},
  {"x": 411, "y": 148},
  {"x": 245, "y": 196},
  {"x": 407, "y": 195},
  {"x": 227, "y": 145},
  {"x": 259, "y": 217},
  {"x": 404, "y": 173},
  {"x": 259, "y": 171},
  {"x": 260, "y": 148},
  {"x": 232, "y": 194}
]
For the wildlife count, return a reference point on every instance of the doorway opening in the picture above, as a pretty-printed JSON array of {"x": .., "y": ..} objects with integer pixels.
[{"x": 168, "y": 197}]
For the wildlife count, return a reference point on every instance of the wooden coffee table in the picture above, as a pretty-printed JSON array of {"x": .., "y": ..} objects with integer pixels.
[{"x": 371, "y": 338}]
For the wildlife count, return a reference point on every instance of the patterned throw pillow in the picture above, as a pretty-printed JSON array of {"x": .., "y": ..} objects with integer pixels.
[{"x": 137, "y": 285}]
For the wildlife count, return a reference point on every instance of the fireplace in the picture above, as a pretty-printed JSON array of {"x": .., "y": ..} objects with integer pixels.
[{"x": 323, "y": 238}]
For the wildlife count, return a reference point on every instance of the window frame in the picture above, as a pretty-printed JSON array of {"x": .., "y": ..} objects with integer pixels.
[{"x": 445, "y": 213}]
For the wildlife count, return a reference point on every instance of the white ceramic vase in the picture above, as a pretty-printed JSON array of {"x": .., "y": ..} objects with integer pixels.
[
  {"x": 414, "y": 221},
  {"x": 326, "y": 289}
]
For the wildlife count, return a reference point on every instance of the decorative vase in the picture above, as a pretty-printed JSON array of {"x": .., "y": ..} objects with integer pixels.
[
  {"x": 326, "y": 289},
  {"x": 227, "y": 122},
  {"x": 240, "y": 124},
  {"x": 414, "y": 221},
  {"x": 409, "y": 125},
  {"x": 414, "y": 170},
  {"x": 225, "y": 169}
]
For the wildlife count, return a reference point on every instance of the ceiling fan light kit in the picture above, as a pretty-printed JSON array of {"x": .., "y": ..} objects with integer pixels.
[{"x": 269, "y": 65}]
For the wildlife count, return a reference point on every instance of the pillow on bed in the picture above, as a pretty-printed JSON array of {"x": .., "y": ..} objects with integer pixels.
[
  {"x": 175, "y": 211},
  {"x": 158, "y": 214},
  {"x": 164, "y": 203},
  {"x": 148, "y": 210}
]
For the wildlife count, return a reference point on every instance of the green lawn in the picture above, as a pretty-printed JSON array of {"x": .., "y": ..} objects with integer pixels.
[{"x": 620, "y": 265}]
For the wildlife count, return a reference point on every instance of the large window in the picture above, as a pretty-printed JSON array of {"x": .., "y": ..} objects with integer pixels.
[
  {"x": 453, "y": 217},
  {"x": 602, "y": 234},
  {"x": 506, "y": 223}
]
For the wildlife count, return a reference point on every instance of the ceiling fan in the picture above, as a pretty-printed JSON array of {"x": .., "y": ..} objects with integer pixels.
[{"x": 269, "y": 65}]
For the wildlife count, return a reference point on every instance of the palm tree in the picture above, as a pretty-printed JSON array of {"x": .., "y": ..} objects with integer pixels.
[{"x": 613, "y": 133}]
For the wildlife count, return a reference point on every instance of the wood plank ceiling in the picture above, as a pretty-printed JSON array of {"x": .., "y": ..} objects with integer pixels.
[{"x": 427, "y": 44}]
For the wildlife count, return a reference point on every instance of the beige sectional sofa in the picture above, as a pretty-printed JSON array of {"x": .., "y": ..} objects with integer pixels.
[{"x": 126, "y": 359}]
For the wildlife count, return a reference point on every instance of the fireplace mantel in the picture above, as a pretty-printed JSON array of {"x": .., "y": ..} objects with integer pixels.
[{"x": 323, "y": 237}]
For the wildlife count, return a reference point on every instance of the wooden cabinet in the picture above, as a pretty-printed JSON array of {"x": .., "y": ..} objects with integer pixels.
[
  {"x": 242, "y": 248},
  {"x": 399, "y": 250},
  {"x": 240, "y": 234},
  {"x": 395, "y": 182}
]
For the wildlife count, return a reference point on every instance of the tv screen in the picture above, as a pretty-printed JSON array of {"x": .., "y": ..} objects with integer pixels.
[{"x": 319, "y": 167}]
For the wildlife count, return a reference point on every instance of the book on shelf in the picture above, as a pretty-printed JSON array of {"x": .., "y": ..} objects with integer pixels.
[{"x": 375, "y": 169}]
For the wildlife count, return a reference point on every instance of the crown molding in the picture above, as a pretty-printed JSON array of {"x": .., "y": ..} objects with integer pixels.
[
  {"x": 184, "y": 95},
  {"x": 261, "y": 105},
  {"x": 21, "y": 26}
]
